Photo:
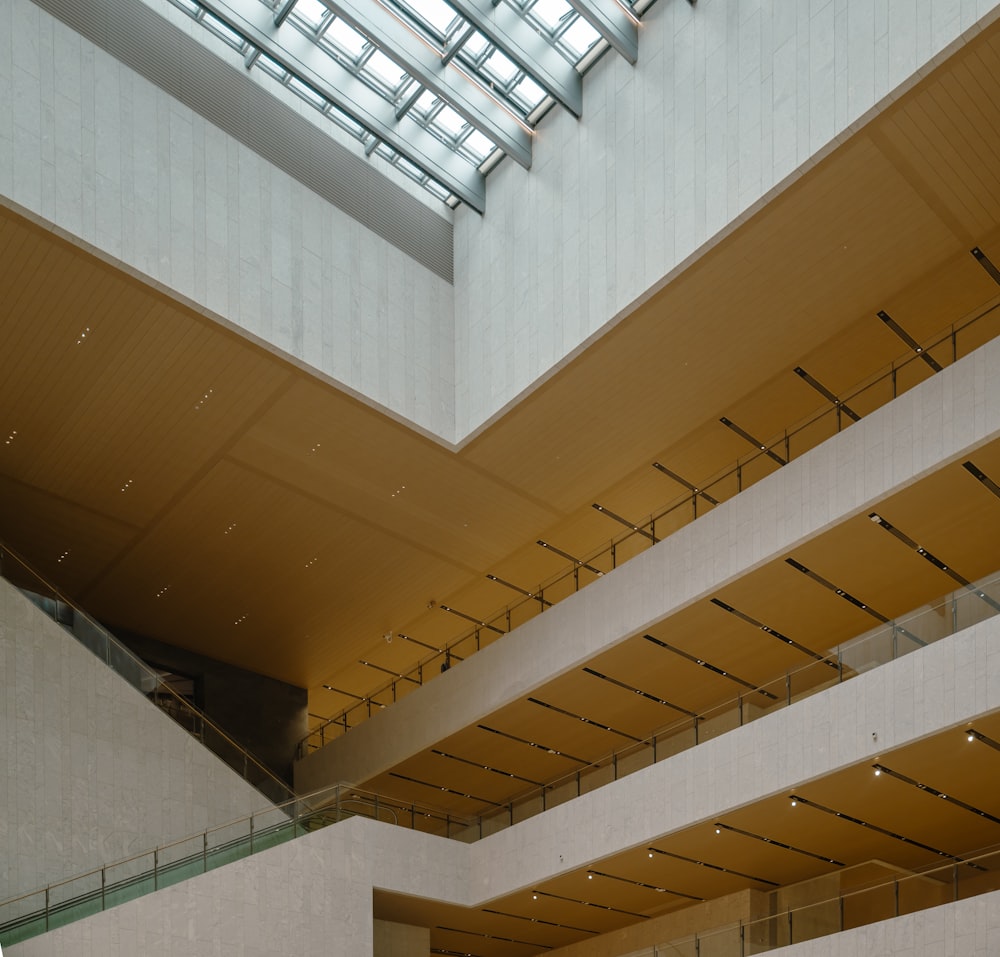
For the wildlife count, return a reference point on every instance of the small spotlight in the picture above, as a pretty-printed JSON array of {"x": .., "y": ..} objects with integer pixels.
[
  {"x": 650, "y": 854},
  {"x": 794, "y": 802},
  {"x": 718, "y": 830},
  {"x": 878, "y": 771},
  {"x": 534, "y": 897},
  {"x": 970, "y": 737},
  {"x": 590, "y": 877}
]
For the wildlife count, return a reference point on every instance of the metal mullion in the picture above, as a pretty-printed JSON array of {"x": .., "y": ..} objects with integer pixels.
[
  {"x": 308, "y": 61},
  {"x": 507, "y": 29},
  {"x": 424, "y": 65},
  {"x": 613, "y": 23}
]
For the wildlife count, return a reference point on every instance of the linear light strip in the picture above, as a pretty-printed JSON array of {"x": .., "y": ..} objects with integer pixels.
[
  {"x": 476, "y": 621},
  {"x": 688, "y": 485},
  {"x": 774, "y": 843},
  {"x": 884, "y": 831},
  {"x": 586, "y": 720},
  {"x": 847, "y": 596},
  {"x": 479, "y": 933},
  {"x": 933, "y": 559},
  {"x": 520, "y": 591},
  {"x": 742, "y": 433},
  {"x": 650, "y": 887},
  {"x": 486, "y": 767},
  {"x": 535, "y": 745},
  {"x": 988, "y": 741},
  {"x": 441, "y": 787},
  {"x": 909, "y": 340},
  {"x": 816, "y": 656},
  {"x": 704, "y": 664},
  {"x": 645, "y": 694},
  {"x": 626, "y": 522},
  {"x": 977, "y": 473},
  {"x": 984, "y": 261},
  {"x": 927, "y": 789},
  {"x": 714, "y": 867},
  {"x": 568, "y": 557},
  {"x": 538, "y": 920},
  {"x": 389, "y": 671},
  {"x": 607, "y": 907},
  {"x": 826, "y": 393}
]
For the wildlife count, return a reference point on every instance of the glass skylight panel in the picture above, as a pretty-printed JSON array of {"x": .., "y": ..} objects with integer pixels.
[
  {"x": 425, "y": 103},
  {"x": 475, "y": 46},
  {"x": 528, "y": 94},
  {"x": 500, "y": 66},
  {"x": 478, "y": 145},
  {"x": 550, "y": 13},
  {"x": 449, "y": 121},
  {"x": 310, "y": 12},
  {"x": 271, "y": 66},
  {"x": 347, "y": 38},
  {"x": 222, "y": 30},
  {"x": 436, "y": 14},
  {"x": 579, "y": 37},
  {"x": 306, "y": 92},
  {"x": 381, "y": 67}
]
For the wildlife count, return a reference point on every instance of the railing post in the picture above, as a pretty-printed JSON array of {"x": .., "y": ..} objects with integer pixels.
[
  {"x": 614, "y": 556},
  {"x": 697, "y": 946},
  {"x": 576, "y": 578},
  {"x": 788, "y": 686},
  {"x": 743, "y": 945},
  {"x": 895, "y": 642},
  {"x": 739, "y": 706},
  {"x": 694, "y": 721},
  {"x": 251, "y": 834},
  {"x": 337, "y": 807},
  {"x": 204, "y": 852},
  {"x": 791, "y": 939},
  {"x": 954, "y": 613},
  {"x": 614, "y": 766},
  {"x": 156, "y": 868},
  {"x": 376, "y": 808},
  {"x": 104, "y": 878},
  {"x": 895, "y": 898},
  {"x": 46, "y": 908}
]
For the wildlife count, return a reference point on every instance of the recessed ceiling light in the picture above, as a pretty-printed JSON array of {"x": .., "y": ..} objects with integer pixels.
[
  {"x": 125, "y": 487},
  {"x": 203, "y": 400},
  {"x": 65, "y": 554},
  {"x": 229, "y": 528},
  {"x": 11, "y": 437},
  {"x": 240, "y": 620},
  {"x": 83, "y": 335}
]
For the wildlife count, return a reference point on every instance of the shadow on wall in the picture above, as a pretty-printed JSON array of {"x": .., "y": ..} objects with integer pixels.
[{"x": 266, "y": 716}]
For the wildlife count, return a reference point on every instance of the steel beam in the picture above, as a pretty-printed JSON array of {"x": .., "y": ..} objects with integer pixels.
[
  {"x": 502, "y": 25},
  {"x": 298, "y": 54},
  {"x": 611, "y": 21},
  {"x": 403, "y": 46}
]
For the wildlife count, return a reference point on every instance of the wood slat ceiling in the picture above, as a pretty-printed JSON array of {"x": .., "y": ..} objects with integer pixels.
[
  {"x": 584, "y": 718},
  {"x": 328, "y": 551},
  {"x": 748, "y": 852}
]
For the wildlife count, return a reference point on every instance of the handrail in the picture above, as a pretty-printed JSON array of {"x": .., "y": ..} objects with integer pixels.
[
  {"x": 781, "y": 929},
  {"x": 336, "y": 802},
  {"x": 104, "y": 887},
  {"x": 899, "y": 638},
  {"x": 96, "y": 638},
  {"x": 644, "y": 533}
]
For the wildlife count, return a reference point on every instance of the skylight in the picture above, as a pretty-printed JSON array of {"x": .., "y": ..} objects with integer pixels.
[{"x": 471, "y": 77}]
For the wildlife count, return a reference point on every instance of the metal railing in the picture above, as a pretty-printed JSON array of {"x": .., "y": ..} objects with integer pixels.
[
  {"x": 63, "y": 902},
  {"x": 868, "y": 903},
  {"x": 959, "y": 339},
  {"x": 137, "y": 673}
]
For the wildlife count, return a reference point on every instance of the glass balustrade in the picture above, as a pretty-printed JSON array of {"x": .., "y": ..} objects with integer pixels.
[
  {"x": 137, "y": 673},
  {"x": 957, "y": 341}
]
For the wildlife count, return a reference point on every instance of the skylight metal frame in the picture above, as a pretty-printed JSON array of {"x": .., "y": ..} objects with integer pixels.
[
  {"x": 303, "y": 58},
  {"x": 425, "y": 65}
]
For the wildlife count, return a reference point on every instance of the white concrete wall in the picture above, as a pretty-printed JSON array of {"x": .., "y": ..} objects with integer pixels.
[
  {"x": 113, "y": 162},
  {"x": 313, "y": 896},
  {"x": 729, "y": 102},
  {"x": 941, "y": 419},
  {"x": 90, "y": 771}
]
